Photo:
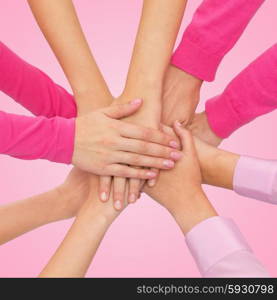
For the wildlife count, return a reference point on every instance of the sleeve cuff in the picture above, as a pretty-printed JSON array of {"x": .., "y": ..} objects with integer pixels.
[
  {"x": 212, "y": 240},
  {"x": 64, "y": 145},
  {"x": 193, "y": 60},
  {"x": 256, "y": 178},
  {"x": 221, "y": 116}
]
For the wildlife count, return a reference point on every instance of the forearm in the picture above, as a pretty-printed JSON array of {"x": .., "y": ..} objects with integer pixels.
[
  {"x": 37, "y": 137},
  {"x": 215, "y": 28},
  {"x": 218, "y": 167},
  {"x": 220, "y": 250},
  {"x": 22, "y": 216},
  {"x": 153, "y": 46},
  {"x": 187, "y": 210},
  {"x": 32, "y": 88},
  {"x": 75, "y": 253},
  {"x": 250, "y": 94},
  {"x": 59, "y": 23}
]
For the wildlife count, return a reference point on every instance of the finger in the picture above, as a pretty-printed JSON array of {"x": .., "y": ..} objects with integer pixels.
[
  {"x": 168, "y": 130},
  {"x": 129, "y": 172},
  {"x": 152, "y": 182},
  {"x": 185, "y": 137},
  {"x": 104, "y": 188},
  {"x": 146, "y": 148},
  {"x": 139, "y": 160},
  {"x": 119, "y": 190},
  {"x": 118, "y": 111},
  {"x": 148, "y": 134},
  {"x": 134, "y": 190}
]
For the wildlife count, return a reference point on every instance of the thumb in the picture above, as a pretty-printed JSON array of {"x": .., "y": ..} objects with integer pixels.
[
  {"x": 185, "y": 137},
  {"x": 118, "y": 111}
]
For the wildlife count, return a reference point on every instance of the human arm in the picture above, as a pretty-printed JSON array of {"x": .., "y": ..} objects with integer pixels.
[
  {"x": 75, "y": 253},
  {"x": 247, "y": 176},
  {"x": 60, "y": 25},
  {"x": 215, "y": 28},
  {"x": 32, "y": 88},
  {"x": 252, "y": 93},
  {"x": 60, "y": 203},
  {"x": 156, "y": 35},
  {"x": 96, "y": 142},
  {"x": 229, "y": 254}
]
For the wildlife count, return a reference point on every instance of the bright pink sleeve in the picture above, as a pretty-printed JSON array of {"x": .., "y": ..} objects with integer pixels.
[
  {"x": 256, "y": 178},
  {"x": 37, "y": 137},
  {"x": 220, "y": 250},
  {"x": 215, "y": 28},
  {"x": 32, "y": 88},
  {"x": 249, "y": 95}
]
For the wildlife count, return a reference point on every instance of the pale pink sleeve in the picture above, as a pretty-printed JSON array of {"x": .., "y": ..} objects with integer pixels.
[
  {"x": 256, "y": 178},
  {"x": 32, "y": 88},
  {"x": 215, "y": 28},
  {"x": 250, "y": 94},
  {"x": 220, "y": 250},
  {"x": 37, "y": 137}
]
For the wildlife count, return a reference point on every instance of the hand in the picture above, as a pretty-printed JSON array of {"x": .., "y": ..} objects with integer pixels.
[
  {"x": 105, "y": 210},
  {"x": 179, "y": 190},
  {"x": 101, "y": 144},
  {"x": 180, "y": 96},
  {"x": 200, "y": 128},
  {"x": 148, "y": 116}
]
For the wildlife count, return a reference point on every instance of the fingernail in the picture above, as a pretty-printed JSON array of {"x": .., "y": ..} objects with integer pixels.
[
  {"x": 117, "y": 205},
  {"x": 151, "y": 182},
  {"x": 132, "y": 198},
  {"x": 136, "y": 101},
  {"x": 173, "y": 144},
  {"x": 168, "y": 163},
  {"x": 151, "y": 174},
  {"x": 176, "y": 155},
  {"x": 103, "y": 196}
]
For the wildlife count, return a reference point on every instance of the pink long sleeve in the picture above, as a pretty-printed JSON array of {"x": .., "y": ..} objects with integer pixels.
[
  {"x": 251, "y": 94},
  {"x": 37, "y": 137},
  {"x": 220, "y": 250},
  {"x": 256, "y": 178},
  {"x": 32, "y": 88},
  {"x": 215, "y": 28},
  {"x": 29, "y": 137}
]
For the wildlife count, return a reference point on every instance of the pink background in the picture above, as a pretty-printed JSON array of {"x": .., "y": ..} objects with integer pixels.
[{"x": 144, "y": 240}]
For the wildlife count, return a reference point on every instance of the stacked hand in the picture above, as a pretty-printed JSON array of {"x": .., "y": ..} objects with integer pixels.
[
  {"x": 105, "y": 145},
  {"x": 184, "y": 198}
]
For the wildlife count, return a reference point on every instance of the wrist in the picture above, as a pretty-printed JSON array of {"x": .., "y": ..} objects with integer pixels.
[
  {"x": 194, "y": 211},
  {"x": 55, "y": 208},
  {"x": 96, "y": 212},
  {"x": 220, "y": 162},
  {"x": 88, "y": 100},
  {"x": 194, "y": 82},
  {"x": 144, "y": 88}
]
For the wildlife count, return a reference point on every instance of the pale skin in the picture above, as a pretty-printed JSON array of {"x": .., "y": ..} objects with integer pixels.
[
  {"x": 105, "y": 145},
  {"x": 59, "y": 23},
  {"x": 183, "y": 198},
  {"x": 158, "y": 28},
  {"x": 185, "y": 201},
  {"x": 64, "y": 201},
  {"x": 156, "y": 35},
  {"x": 58, "y": 19},
  {"x": 181, "y": 93}
]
